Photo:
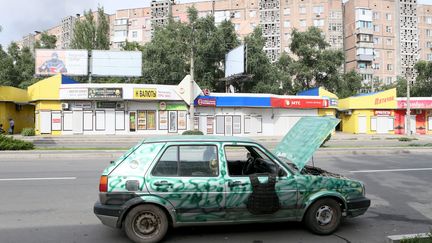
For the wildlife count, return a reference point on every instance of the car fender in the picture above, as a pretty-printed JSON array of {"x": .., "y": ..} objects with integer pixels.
[
  {"x": 323, "y": 194},
  {"x": 146, "y": 199}
]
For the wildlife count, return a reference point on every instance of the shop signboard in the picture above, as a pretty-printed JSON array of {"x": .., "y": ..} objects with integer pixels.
[
  {"x": 382, "y": 113},
  {"x": 299, "y": 103},
  {"x": 380, "y": 100},
  {"x": 73, "y": 93},
  {"x": 206, "y": 102},
  {"x": 415, "y": 104},
  {"x": 145, "y": 93},
  {"x": 176, "y": 107},
  {"x": 68, "y": 62},
  {"x": 106, "y": 105},
  {"x": 105, "y": 93}
]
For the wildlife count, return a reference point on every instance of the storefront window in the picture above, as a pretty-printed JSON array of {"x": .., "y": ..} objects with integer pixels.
[
  {"x": 146, "y": 120},
  {"x": 163, "y": 120},
  {"x": 151, "y": 120},
  {"x": 182, "y": 120},
  {"x": 172, "y": 120},
  {"x": 142, "y": 124}
]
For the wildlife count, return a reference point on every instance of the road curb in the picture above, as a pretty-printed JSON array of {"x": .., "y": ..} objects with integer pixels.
[
  {"x": 399, "y": 238},
  {"x": 41, "y": 154}
]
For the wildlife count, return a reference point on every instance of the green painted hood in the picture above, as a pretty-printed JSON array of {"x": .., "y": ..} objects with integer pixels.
[{"x": 307, "y": 135}]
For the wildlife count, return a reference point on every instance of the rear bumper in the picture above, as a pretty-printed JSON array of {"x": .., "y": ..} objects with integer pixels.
[
  {"x": 357, "y": 207},
  {"x": 108, "y": 214}
]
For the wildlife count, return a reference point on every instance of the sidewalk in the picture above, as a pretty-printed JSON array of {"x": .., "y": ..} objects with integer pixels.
[{"x": 338, "y": 140}]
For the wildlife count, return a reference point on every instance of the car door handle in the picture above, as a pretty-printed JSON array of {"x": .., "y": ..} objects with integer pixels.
[
  {"x": 162, "y": 183},
  {"x": 236, "y": 183}
]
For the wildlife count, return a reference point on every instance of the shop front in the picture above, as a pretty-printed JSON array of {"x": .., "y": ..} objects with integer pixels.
[
  {"x": 369, "y": 113},
  {"x": 14, "y": 104},
  {"x": 420, "y": 118}
]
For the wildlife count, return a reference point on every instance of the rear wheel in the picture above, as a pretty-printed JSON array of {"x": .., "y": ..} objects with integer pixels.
[
  {"x": 146, "y": 224},
  {"x": 324, "y": 216}
]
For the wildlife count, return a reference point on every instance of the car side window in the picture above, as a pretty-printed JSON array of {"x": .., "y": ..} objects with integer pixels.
[
  {"x": 188, "y": 161},
  {"x": 247, "y": 160},
  {"x": 168, "y": 163}
]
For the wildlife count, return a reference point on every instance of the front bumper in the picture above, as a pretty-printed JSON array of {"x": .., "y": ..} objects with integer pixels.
[
  {"x": 108, "y": 214},
  {"x": 358, "y": 206}
]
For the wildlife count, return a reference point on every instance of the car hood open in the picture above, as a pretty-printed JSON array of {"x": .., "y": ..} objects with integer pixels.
[{"x": 307, "y": 135}]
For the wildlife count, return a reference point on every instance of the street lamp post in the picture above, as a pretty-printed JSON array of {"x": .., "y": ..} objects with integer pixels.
[
  {"x": 408, "y": 103},
  {"x": 191, "y": 85}
]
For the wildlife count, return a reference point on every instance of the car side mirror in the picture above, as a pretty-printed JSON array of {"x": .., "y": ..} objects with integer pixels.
[
  {"x": 112, "y": 162},
  {"x": 281, "y": 172}
]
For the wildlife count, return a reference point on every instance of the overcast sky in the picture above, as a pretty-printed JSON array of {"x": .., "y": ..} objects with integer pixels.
[{"x": 20, "y": 17}]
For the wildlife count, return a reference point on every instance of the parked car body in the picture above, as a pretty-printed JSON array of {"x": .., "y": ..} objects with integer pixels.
[{"x": 195, "y": 180}]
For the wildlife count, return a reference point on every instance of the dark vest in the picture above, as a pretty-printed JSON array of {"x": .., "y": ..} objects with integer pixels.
[{"x": 263, "y": 199}]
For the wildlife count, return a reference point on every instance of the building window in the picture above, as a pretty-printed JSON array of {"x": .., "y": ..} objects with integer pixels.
[
  {"x": 389, "y": 67},
  {"x": 302, "y": 9},
  {"x": 236, "y": 27},
  {"x": 388, "y": 16},
  {"x": 376, "y": 40},
  {"x": 287, "y": 36},
  {"x": 376, "y": 53},
  {"x": 375, "y": 15},
  {"x": 287, "y": 24},
  {"x": 287, "y": 11},
  {"x": 376, "y": 66},
  {"x": 237, "y": 14},
  {"x": 428, "y": 20},
  {"x": 252, "y": 25},
  {"x": 302, "y": 22},
  {"x": 252, "y": 13},
  {"x": 318, "y": 9},
  {"x": 389, "y": 80},
  {"x": 364, "y": 24},
  {"x": 428, "y": 32},
  {"x": 388, "y": 29},
  {"x": 376, "y": 28},
  {"x": 429, "y": 57},
  {"x": 361, "y": 65},
  {"x": 389, "y": 54},
  {"x": 318, "y": 22},
  {"x": 134, "y": 34},
  {"x": 389, "y": 42},
  {"x": 429, "y": 44}
]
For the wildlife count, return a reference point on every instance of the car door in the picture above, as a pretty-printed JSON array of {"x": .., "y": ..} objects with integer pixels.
[
  {"x": 187, "y": 175},
  {"x": 239, "y": 188}
]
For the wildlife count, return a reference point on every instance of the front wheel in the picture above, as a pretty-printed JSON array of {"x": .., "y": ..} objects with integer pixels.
[
  {"x": 324, "y": 216},
  {"x": 146, "y": 224}
]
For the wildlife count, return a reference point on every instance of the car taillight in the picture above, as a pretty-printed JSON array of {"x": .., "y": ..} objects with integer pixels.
[{"x": 103, "y": 184}]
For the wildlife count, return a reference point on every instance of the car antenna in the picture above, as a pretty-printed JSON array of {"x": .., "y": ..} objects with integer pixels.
[{"x": 313, "y": 163}]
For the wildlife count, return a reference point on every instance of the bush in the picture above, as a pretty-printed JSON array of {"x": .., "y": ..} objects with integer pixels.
[
  {"x": 406, "y": 139},
  {"x": 192, "y": 132},
  {"x": 28, "y": 131},
  {"x": 9, "y": 143}
]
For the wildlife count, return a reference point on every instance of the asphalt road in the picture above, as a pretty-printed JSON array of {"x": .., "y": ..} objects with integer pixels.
[{"x": 60, "y": 209}]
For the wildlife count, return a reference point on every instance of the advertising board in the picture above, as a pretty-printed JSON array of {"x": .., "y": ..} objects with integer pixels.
[
  {"x": 116, "y": 63},
  {"x": 68, "y": 62}
]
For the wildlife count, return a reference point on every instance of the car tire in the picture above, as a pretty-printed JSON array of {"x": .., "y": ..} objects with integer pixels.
[
  {"x": 146, "y": 224},
  {"x": 324, "y": 216}
]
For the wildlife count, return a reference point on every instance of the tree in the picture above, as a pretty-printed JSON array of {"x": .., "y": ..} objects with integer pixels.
[
  {"x": 349, "y": 85},
  {"x": 315, "y": 65},
  {"x": 91, "y": 34},
  {"x": 422, "y": 87},
  {"x": 46, "y": 41},
  {"x": 7, "y": 74}
]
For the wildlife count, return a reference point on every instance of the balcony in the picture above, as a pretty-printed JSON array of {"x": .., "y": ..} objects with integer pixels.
[
  {"x": 365, "y": 71},
  {"x": 362, "y": 30},
  {"x": 365, "y": 57},
  {"x": 365, "y": 44}
]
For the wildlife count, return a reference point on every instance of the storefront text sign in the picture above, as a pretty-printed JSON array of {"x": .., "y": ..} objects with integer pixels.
[
  {"x": 382, "y": 113},
  {"x": 415, "y": 104},
  {"x": 298, "y": 103},
  {"x": 105, "y": 93},
  {"x": 206, "y": 101},
  {"x": 73, "y": 93},
  {"x": 145, "y": 93}
]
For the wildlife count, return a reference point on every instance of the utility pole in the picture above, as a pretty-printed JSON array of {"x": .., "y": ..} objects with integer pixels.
[
  {"x": 408, "y": 103},
  {"x": 191, "y": 86}
]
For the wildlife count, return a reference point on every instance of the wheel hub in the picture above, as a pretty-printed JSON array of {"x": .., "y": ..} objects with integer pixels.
[
  {"x": 146, "y": 223},
  {"x": 324, "y": 215}
]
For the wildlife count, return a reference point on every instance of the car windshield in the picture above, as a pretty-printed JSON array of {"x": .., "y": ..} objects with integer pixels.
[{"x": 289, "y": 163}]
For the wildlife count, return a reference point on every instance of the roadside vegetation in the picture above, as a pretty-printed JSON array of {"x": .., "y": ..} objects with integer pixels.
[
  {"x": 28, "y": 131},
  {"x": 192, "y": 132},
  {"x": 419, "y": 239},
  {"x": 9, "y": 143}
]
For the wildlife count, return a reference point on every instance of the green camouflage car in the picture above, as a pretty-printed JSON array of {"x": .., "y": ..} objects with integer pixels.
[{"x": 196, "y": 180}]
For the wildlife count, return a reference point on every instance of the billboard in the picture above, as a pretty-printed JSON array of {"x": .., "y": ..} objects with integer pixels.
[
  {"x": 235, "y": 61},
  {"x": 68, "y": 62},
  {"x": 116, "y": 63}
]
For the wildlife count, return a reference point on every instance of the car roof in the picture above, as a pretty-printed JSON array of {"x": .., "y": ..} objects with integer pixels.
[{"x": 197, "y": 138}]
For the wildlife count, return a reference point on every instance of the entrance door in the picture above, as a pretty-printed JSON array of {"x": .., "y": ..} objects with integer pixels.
[
  {"x": 228, "y": 125},
  {"x": 110, "y": 121},
  {"x": 239, "y": 188},
  {"x": 382, "y": 124},
  {"x": 188, "y": 177},
  {"x": 362, "y": 124},
  {"x": 77, "y": 121},
  {"x": 412, "y": 124},
  {"x": 45, "y": 122},
  {"x": 132, "y": 121}
]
